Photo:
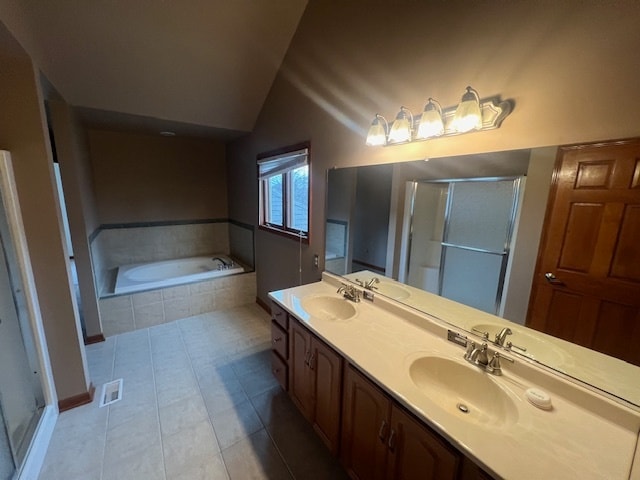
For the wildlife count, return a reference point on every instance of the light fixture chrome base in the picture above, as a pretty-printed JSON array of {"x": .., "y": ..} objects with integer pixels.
[{"x": 493, "y": 109}]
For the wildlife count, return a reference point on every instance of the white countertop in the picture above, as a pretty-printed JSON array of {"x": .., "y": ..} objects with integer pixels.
[
  {"x": 585, "y": 435},
  {"x": 605, "y": 372}
]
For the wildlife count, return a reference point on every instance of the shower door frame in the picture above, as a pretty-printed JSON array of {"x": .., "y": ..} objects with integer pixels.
[
  {"x": 517, "y": 180},
  {"x": 39, "y": 443}
]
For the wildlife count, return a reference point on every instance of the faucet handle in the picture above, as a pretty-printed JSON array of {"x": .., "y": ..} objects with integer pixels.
[
  {"x": 471, "y": 346},
  {"x": 511, "y": 346},
  {"x": 494, "y": 365},
  {"x": 481, "y": 332}
]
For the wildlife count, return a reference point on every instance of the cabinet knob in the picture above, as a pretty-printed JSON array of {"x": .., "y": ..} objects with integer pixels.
[{"x": 276, "y": 340}]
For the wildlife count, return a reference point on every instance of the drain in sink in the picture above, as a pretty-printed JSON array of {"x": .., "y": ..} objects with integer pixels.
[{"x": 463, "y": 408}]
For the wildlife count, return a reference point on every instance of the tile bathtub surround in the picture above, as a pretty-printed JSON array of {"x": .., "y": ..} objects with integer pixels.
[
  {"x": 199, "y": 402},
  {"x": 113, "y": 247},
  {"x": 126, "y": 313}
]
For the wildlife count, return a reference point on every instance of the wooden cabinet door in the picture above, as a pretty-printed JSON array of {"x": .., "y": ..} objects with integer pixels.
[
  {"x": 586, "y": 288},
  {"x": 470, "y": 471},
  {"x": 416, "y": 453},
  {"x": 326, "y": 367},
  {"x": 300, "y": 384},
  {"x": 365, "y": 427}
]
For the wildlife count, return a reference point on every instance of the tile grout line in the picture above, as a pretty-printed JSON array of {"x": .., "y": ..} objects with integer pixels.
[
  {"x": 264, "y": 426},
  {"x": 275, "y": 445},
  {"x": 155, "y": 391},
  {"x": 106, "y": 430},
  {"x": 201, "y": 396},
  {"x": 266, "y": 429}
]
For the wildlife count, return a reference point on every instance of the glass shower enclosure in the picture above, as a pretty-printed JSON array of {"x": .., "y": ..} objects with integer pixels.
[
  {"x": 458, "y": 234},
  {"x": 22, "y": 397}
]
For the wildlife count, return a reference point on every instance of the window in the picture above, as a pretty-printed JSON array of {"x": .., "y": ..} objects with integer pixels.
[{"x": 284, "y": 191}]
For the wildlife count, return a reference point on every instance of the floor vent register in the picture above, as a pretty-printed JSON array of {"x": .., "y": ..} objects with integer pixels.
[{"x": 111, "y": 392}]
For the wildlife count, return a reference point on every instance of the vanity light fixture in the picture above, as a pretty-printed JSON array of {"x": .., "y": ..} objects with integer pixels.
[
  {"x": 472, "y": 114},
  {"x": 468, "y": 115},
  {"x": 431, "y": 124},
  {"x": 402, "y": 127},
  {"x": 378, "y": 131}
]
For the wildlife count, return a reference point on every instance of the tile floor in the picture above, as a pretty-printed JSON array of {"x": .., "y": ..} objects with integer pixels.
[{"x": 199, "y": 402}]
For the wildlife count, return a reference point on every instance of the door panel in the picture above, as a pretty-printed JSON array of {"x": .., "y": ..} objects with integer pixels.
[
  {"x": 416, "y": 453},
  {"x": 365, "y": 428},
  {"x": 299, "y": 377},
  {"x": 590, "y": 245},
  {"x": 626, "y": 258},
  {"x": 581, "y": 236},
  {"x": 327, "y": 366}
]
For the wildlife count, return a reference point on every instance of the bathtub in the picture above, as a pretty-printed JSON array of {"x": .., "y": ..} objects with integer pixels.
[{"x": 147, "y": 276}]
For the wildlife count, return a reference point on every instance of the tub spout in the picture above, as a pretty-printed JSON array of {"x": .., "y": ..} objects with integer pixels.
[{"x": 225, "y": 263}]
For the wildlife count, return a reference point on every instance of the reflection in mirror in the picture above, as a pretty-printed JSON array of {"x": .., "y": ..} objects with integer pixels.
[
  {"x": 457, "y": 237},
  {"x": 468, "y": 230}
]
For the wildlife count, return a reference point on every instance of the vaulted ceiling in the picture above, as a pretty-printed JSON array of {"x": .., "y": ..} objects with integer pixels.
[{"x": 195, "y": 66}]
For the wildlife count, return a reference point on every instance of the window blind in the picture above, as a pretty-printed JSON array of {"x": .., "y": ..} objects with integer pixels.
[{"x": 279, "y": 164}]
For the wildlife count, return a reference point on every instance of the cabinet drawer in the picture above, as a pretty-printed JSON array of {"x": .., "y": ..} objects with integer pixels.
[
  {"x": 279, "y": 369},
  {"x": 279, "y": 315},
  {"x": 279, "y": 340}
]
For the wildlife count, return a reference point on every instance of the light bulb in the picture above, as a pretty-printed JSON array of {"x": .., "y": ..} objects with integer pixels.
[
  {"x": 377, "y": 135},
  {"x": 431, "y": 124},
  {"x": 468, "y": 115},
  {"x": 401, "y": 128}
]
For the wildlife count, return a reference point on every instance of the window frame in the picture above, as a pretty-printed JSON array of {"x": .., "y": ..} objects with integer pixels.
[{"x": 264, "y": 194}]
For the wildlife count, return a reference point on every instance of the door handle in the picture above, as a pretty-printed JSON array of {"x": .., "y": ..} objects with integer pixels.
[{"x": 552, "y": 279}]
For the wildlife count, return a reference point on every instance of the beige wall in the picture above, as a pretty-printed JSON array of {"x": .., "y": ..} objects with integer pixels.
[
  {"x": 570, "y": 67},
  {"x": 148, "y": 178},
  {"x": 73, "y": 156},
  {"x": 23, "y": 132}
]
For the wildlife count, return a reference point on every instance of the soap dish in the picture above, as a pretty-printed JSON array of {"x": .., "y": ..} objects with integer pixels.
[{"x": 539, "y": 398}]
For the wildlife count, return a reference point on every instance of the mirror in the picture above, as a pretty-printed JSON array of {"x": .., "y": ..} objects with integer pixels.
[{"x": 458, "y": 238}]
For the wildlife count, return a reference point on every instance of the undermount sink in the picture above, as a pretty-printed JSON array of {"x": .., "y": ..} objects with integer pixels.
[
  {"x": 393, "y": 291},
  {"x": 463, "y": 390},
  {"x": 536, "y": 348},
  {"x": 329, "y": 308}
]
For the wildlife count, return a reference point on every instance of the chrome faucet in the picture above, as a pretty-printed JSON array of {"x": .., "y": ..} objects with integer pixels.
[
  {"x": 370, "y": 284},
  {"x": 502, "y": 335},
  {"x": 349, "y": 292},
  {"x": 225, "y": 264},
  {"x": 477, "y": 355}
]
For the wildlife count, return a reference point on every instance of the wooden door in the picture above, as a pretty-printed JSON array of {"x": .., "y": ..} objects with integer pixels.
[
  {"x": 591, "y": 251},
  {"x": 365, "y": 428},
  {"x": 416, "y": 453},
  {"x": 300, "y": 386},
  {"x": 326, "y": 367}
]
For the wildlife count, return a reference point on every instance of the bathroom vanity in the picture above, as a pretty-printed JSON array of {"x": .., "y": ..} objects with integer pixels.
[{"x": 397, "y": 393}]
